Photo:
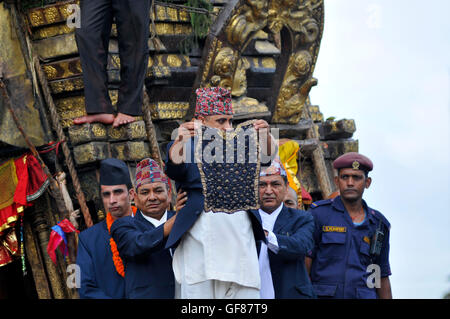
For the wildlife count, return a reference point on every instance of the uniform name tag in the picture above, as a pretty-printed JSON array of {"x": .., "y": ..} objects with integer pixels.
[{"x": 335, "y": 229}]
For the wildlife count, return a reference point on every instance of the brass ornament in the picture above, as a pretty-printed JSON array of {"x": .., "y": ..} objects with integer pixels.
[
  {"x": 355, "y": 165},
  {"x": 298, "y": 22}
]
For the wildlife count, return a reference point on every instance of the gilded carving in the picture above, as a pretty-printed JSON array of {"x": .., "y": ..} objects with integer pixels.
[
  {"x": 160, "y": 13},
  {"x": 174, "y": 61},
  {"x": 299, "y": 22},
  {"x": 50, "y": 71},
  {"x": 51, "y": 31},
  {"x": 66, "y": 85},
  {"x": 36, "y": 18},
  {"x": 172, "y": 14},
  {"x": 63, "y": 69},
  {"x": 248, "y": 105},
  {"x": 224, "y": 67},
  {"x": 240, "y": 79},
  {"x": 182, "y": 28},
  {"x": 295, "y": 89},
  {"x": 251, "y": 18},
  {"x": 184, "y": 15},
  {"x": 168, "y": 110},
  {"x": 51, "y": 14},
  {"x": 98, "y": 130},
  {"x": 164, "y": 28}
]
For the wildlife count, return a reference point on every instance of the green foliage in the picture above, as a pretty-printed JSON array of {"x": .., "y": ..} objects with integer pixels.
[{"x": 200, "y": 23}]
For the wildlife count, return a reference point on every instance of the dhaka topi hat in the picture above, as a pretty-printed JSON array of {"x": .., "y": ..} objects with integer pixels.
[
  {"x": 213, "y": 101},
  {"x": 353, "y": 160},
  {"x": 148, "y": 171},
  {"x": 114, "y": 172},
  {"x": 275, "y": 168}
]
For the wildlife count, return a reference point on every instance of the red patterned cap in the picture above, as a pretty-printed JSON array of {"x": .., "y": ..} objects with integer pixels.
[
  {"x": 213, "y": 101},
  {"x": 148, "y": 171},
  {"x": 353, "y": 160}
]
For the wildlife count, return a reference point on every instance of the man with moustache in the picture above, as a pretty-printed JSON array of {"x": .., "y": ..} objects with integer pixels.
[
  {"x": 289, "y": 238},
  {"x": 100, "y": 266},
  {"x": 141, "y": 240},
  {"x": 351, "y": 239}
]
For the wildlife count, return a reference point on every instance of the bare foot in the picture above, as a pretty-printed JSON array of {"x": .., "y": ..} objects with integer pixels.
[
  {"x": 122, "y": 119},
  {"x": 104, "y": 118}
]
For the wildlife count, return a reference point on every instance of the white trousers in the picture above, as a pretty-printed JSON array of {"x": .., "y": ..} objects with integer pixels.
[{"x": 215, "y": 289}]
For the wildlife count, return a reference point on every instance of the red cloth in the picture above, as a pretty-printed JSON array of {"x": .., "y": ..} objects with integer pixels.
[
  {"x": 58, "y": 238},
  {"x": 306, "y": 197},
  {"x": 31, "y": 183}
]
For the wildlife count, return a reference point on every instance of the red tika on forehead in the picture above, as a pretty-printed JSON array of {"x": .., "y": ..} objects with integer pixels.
[{"x": 213, "y": 101}]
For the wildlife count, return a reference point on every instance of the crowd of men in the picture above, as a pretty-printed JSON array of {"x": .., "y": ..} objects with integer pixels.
[
  {"x": 339, "y": 248},
  {"x": 150, "y": 251}
]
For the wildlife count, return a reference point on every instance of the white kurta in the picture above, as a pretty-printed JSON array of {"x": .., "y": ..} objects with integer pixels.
[
  {"x": 219, "y": 246},
  {"x": 268, "y": 221}
]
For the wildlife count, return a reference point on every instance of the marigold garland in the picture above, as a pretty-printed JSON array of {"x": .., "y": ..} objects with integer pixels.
[{"x": 118, "y": 263}]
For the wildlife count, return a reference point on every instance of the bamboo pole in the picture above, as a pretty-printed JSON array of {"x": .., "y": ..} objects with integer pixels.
[
  {"x": 37, "y": 266},
  {"x": 40, "y": 228},
  {"x": 317, "y": 157}
]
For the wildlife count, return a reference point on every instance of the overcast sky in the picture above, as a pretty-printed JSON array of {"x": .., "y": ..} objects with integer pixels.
[{"x": 386, "y": 64}]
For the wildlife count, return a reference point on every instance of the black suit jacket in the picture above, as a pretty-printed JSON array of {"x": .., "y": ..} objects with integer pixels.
[
  {"x": 294, "y": 231},
  {"x": 148, "y": 264}
]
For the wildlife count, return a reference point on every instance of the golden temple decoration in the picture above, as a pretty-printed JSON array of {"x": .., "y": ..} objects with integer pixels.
[
  {"x": 298, "y": 22},
  {"x": 63, "y": 69},
  {"x": 50, "y": 14},
  {"x": 66, "y": 85},
  {"x": 52, "y": 31},
  {"x": 168, "y": 110}
]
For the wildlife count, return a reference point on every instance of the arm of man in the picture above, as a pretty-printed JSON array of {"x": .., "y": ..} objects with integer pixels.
[
  {"x": 299, "y": 242},
  {"x": 175, "y": 152},
  {"x": 268, "y": 142},
  {"x": 384, "y": 292},
  {"x": 88, "y": 286},
  {"x": 308, "y": 263},
  {"x": 132, "y": 242}
]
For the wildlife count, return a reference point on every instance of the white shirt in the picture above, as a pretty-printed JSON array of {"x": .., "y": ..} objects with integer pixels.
[
  {"x": 268, "y": 221},
  {"x": 155, "y": 221},
  {"x": 219, "y": 246}
]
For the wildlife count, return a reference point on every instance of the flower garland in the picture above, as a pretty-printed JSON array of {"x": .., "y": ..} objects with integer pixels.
[{"x": 118, "y": 263}]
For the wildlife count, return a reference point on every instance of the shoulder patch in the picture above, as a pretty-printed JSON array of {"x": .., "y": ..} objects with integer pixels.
[{"x": 321, "y": 203}]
